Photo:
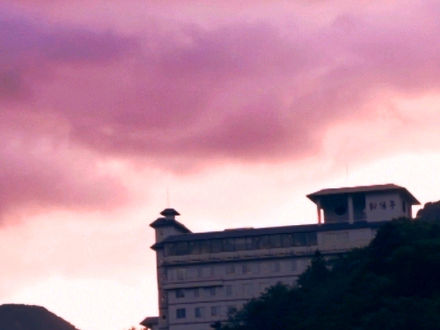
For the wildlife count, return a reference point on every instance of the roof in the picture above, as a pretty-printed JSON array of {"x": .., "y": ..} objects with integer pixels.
[
  {"x": 362, "y": 189},
  {"x": 150, "y": 321},
  {"x": 267, "y": 231},
  {"x": 169, "y": 212},
  {"x": 164, "y": 222}
]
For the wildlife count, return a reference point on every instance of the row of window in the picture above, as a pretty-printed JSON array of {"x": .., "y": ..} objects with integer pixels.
[
  {"x": 241, "y": 243},
  {"x": 212, "y": 291},
  {"x": 202, "y": 312},
  {"x": 230, "y": 269},
  {"x": 247, "y": 289}
]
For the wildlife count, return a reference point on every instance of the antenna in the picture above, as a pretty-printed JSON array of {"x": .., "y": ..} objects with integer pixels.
[
  {"x": 346, "y": 173},
  {"x": 168, "y": 198}
]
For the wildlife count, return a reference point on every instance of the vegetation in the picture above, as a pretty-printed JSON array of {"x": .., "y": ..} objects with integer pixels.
[
  {"x": 430, "y": 212},
  {"x": 393, "y": 284},
  {"x": 29, "y": 317}
]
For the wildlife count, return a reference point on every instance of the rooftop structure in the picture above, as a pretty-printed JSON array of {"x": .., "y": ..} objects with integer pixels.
[
  {"x": 203, "y": 276},
  {"x": 363, "y": 203}
]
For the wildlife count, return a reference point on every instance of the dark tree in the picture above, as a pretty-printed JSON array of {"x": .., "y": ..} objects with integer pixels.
[
  {"x": 390, "y": 285},
  {"x": 430, "y": 212}
]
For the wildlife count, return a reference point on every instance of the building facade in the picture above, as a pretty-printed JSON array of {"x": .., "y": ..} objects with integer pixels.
[{"x": 202, "y": 277}]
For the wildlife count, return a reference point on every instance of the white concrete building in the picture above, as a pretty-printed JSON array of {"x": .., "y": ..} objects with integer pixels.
[{"x": 203, "y": 276}]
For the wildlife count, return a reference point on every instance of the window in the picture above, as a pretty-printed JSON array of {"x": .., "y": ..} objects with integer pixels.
[
  {"x": 230, "y": 269},
  {"x": 252, "y": 243},
  {"x": 198, "y": 312},
  {"x": 204, "y": 272},
  {"x": 276, "y": 266},
  {"x": 163, "y": 275},
  {"x": 205, "y": 247},
  {"x": 247, "y": 289},
  {"x": 228, "y": 290},
  {"x": 286, "y": 240},
  {"x": 212, "y": 291},
  {"x": 196, "y": 292},
  {"x": 180, "y": 313},
  {"x": 216, "y": 246},
  {"x": 181, "y": 274},
  {"x": 215, "y": 310},
  {"x": 240, "y": 243},
  {"x": 293, "y": 265},
  {"x": 256, "y": 267},
  {"x": 228, "y": 245},
  {"x": 265, "y": 242},
  {"x": 275, "y": 241},
  {"x": 194, "y": 247},
  {"x": 181, "y": 248},
  {"x": 180, "y": 293},
  {"x": 245, "y": 268},
  {"x": 304, "y": 239}
]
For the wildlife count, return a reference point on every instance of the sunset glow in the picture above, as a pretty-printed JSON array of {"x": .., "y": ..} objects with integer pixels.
[{"x": 234, "y": 109}]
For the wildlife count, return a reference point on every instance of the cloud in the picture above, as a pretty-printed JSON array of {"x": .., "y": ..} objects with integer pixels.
[
  {"x": 31, "y": 38},
  {"x": 243, "y": 90},
  {"x": 179, "y": 94},
  {"x": 272, "y": 96},
  {"x": 40, "y": 167},
  {"x": 39, "y": 173},
  {"x": 34, "y": 47}
]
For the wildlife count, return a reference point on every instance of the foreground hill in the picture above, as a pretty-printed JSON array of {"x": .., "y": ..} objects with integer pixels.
[
  {"x": 29, "y": 317},
  {"x": 393, "y": 284}
]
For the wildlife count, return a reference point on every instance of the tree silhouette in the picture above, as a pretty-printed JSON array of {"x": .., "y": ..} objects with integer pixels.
[{"x": 390, "y": 285}]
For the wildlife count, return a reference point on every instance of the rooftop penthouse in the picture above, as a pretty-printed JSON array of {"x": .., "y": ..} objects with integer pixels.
[{"x": 363, "y": 203}]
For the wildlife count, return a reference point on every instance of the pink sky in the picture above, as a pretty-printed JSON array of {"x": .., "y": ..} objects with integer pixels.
[{"x": 238, "y": 108}]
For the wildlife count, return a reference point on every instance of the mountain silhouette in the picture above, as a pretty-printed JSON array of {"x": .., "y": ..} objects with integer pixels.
[{"x": 30, "y": 317}]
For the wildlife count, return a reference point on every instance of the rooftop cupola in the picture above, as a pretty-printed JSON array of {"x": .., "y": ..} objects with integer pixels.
[
  {"x": 168, "y": 225},
  {"x": 169, "y": 213}
]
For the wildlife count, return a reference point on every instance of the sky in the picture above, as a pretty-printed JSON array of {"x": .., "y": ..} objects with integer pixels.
[{"x": 228, "y": 111}]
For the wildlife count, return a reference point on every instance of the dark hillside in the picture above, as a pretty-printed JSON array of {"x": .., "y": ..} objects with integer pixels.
[{"x": 29, "y": 317}]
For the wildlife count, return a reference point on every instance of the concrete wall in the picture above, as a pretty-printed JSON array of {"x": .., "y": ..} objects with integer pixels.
[
  {"x": 385, "y": 206},
  {"x": 208, "y": 285}
]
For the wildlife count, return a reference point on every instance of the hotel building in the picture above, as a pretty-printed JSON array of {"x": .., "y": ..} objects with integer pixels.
[{"x": 202, "y": 277}]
